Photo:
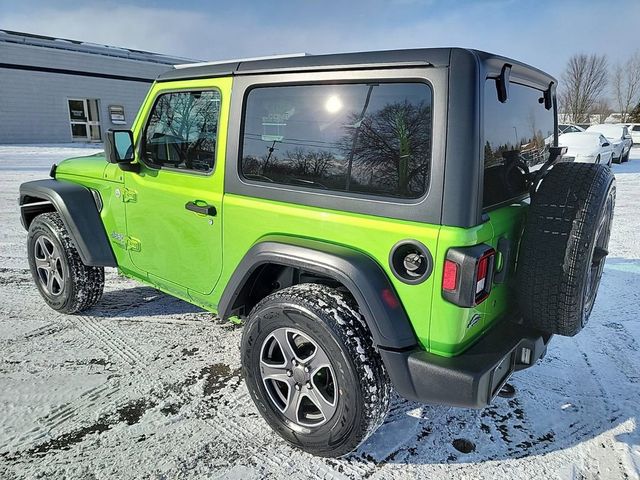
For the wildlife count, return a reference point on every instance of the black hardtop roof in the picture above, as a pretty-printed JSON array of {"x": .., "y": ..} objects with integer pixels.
[{"x": 434, "y": 57}]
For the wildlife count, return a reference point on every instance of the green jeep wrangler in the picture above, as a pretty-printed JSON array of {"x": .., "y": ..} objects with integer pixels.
[{"x": 386, "y": 219}]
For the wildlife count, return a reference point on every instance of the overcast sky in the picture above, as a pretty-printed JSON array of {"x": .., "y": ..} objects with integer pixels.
[{"x": 543, "y": 33}]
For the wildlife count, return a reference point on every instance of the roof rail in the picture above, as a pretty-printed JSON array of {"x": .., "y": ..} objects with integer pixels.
[{"x": 239, "y": 60}]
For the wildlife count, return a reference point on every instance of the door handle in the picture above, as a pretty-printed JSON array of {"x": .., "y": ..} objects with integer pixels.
[{"x": 203, "y": 209}]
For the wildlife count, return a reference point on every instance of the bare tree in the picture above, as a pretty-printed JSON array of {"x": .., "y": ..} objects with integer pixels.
[
  {"x": 626, "y": 85},
  {"x": 391, "y": 147},
  {"x": 602, "y": 109},
  {"x": 306, "y": 162},
  {"x": 583, "y": 83}
]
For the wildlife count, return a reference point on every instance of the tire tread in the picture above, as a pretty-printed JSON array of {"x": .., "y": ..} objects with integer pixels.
[{"x": 557, "y": 243}]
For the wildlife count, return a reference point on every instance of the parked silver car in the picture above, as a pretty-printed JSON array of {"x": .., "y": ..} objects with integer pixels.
[{"x": 619, "y": 137}]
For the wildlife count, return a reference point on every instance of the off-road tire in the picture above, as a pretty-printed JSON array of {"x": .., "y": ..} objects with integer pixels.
[
  {"x": 559, "y": 266},
  {"x": 83, "y": 285},
  {"x": 333, "y": 321}
]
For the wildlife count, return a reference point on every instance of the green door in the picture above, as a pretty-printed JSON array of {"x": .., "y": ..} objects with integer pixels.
[{"x": 174, "y": 204}]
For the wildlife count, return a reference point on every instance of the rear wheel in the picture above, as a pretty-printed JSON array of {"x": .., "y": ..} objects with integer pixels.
[
  {"x": 312, "y": 370},
  {"x": 65, "y": 283},
  {"x": 564, "y": 246}
]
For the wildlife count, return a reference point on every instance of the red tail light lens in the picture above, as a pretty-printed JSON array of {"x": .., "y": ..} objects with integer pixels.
[{"x": 450, "y": 276}]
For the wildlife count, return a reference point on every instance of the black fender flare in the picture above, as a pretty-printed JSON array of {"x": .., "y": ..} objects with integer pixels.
[
  {"x": 358, "y": 272},
  {"x": 77, "y": 208}
]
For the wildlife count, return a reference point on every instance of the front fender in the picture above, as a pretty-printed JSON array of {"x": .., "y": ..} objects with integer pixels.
[{"x": 79, "y": 213}]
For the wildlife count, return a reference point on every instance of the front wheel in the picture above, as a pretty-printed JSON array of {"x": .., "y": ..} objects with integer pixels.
[
  {"x": 312, "y": 371},
  {"x": 65, "y": 283}
]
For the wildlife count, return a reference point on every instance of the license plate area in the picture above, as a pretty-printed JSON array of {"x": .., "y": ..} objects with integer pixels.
[{"x": 501, "y": 374}]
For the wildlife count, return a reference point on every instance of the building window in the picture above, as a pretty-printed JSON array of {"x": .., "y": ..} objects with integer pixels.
[
  {"x": 371, "y": 139},
  {"x": 84, "y": 115}
]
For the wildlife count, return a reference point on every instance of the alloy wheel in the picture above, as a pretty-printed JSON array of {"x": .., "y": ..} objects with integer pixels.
[
  {"x": 49, "y": 266},
  {"x": 298, "y": 377}
]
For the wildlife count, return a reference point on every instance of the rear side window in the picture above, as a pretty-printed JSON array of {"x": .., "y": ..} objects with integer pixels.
[
  {"x": 182, "y": 131},
  {"x": 517, "y": 137},
  {"x": 372, "y": 139}
]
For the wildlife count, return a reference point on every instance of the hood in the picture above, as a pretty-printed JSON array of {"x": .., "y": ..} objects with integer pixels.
[{"x": 90, "y": 166}]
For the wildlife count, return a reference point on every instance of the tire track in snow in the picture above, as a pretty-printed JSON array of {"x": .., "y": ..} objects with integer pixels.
[
  {"x": 286, "y": 461},
  {"x": 75, "y": 414},
  {"x": 69, "y": 413},
  {"x": 143, "y": 367},
  {"x": 111, "y": 341},
  {"x": 281, "y": 462}
]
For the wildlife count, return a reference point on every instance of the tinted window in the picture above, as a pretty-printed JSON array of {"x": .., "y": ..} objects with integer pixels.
[
  {"x": 182, "y": 129},
  {"x": 517, "y": 137},
  {"x": 373, "y": 139},
  {"x": 636, "y": 128}
]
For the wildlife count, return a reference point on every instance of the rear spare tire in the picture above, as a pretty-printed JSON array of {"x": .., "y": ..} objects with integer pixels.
[{"x": 564, "y": 246}]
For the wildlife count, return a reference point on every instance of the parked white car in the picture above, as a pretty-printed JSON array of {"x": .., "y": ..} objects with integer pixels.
[
  {"x": 634, "y": 130},
  {"x": 618, "y": 136},
  {"x": 586, "y": 147}
]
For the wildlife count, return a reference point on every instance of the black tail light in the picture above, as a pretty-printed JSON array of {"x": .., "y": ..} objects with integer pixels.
[{"x": 468, "y": 275}]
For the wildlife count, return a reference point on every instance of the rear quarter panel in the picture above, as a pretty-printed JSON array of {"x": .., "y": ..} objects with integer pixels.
[{"x": 248, "y": 219}]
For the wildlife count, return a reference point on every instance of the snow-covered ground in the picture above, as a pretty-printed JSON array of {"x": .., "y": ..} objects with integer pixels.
[{"x": 147, "y": 386}]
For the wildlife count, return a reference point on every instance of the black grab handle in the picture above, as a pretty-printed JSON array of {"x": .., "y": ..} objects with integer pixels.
[{"x": 204, "y": 209}]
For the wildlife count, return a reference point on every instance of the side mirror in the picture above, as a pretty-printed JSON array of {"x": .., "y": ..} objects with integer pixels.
[
  {"x": 119, "y": 149},
  {"x": 606, "y": 144}
]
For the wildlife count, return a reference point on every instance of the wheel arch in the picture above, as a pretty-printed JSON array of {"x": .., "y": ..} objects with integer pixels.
[
  {"x": 361, "y": 275},
  {"x": 76, "y": 206}
]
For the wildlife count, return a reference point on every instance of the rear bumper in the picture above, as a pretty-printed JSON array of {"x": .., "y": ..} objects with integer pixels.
[{"x": 471, "y": 379}]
